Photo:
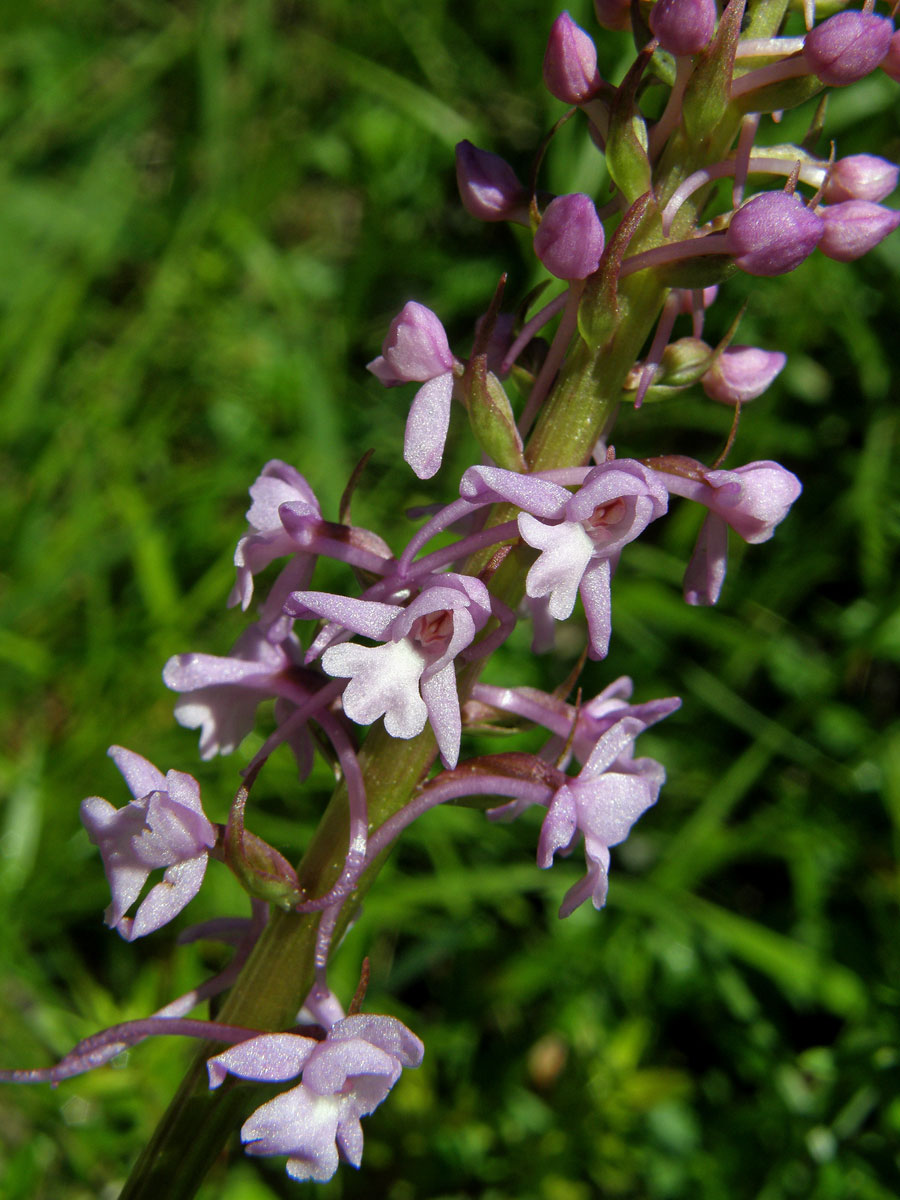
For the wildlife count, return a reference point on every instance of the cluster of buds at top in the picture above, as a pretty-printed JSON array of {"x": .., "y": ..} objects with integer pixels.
[
  {"x": 536, "y": 531},
  {"x": 766, "y": 235},
  {"x": 671, "y": 230}
]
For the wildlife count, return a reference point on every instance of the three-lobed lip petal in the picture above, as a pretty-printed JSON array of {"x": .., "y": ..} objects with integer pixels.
[{"x": 409, "y": 678}]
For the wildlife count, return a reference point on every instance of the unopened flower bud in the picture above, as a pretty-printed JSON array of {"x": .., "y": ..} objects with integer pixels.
[
  {"x": 847, "y": 47},
  {"x": 854, "y": 227},
  {"x": 570, "y": 63},
  {"x": 742, "y": 373},
  {"x": 613, "y": 14},
  {"x": 890, "y": 64},
  {"x": 489, "y": 187},
  {"x": 569, "y": 240},
  {"x": 683, "y": 26},
  {"x": 861, "y": 177},
  {"x": 773, "y": 233}
]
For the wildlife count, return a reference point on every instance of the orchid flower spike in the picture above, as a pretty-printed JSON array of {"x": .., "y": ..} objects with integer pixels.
[
  {"x": 164, "y": 826},
  {"x": 416, "y": 350}
]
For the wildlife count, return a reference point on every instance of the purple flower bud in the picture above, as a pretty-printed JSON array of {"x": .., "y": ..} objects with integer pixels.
[
  {"x": 613, "y": 14},
  {"x": 847, "y": 47},
  {"x": 854, "y": 227},
  {"x": 773, "y": 233},
  {"x": 861, "y": 177},
  {"x": 570, "y": 63},
  {"x": 742, "y": 373},
  {"x": 683, "y": 26},
  {"x": 569, "y": 240},
  {"x": 890, "y": 64},
  {"x": 488, "y": 186}
]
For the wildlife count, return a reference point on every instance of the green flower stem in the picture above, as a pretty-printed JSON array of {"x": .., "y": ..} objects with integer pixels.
[{"x": 583, "y": 404}]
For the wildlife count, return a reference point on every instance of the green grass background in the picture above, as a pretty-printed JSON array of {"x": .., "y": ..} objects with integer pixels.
[{"x": 209, "y": 212}]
